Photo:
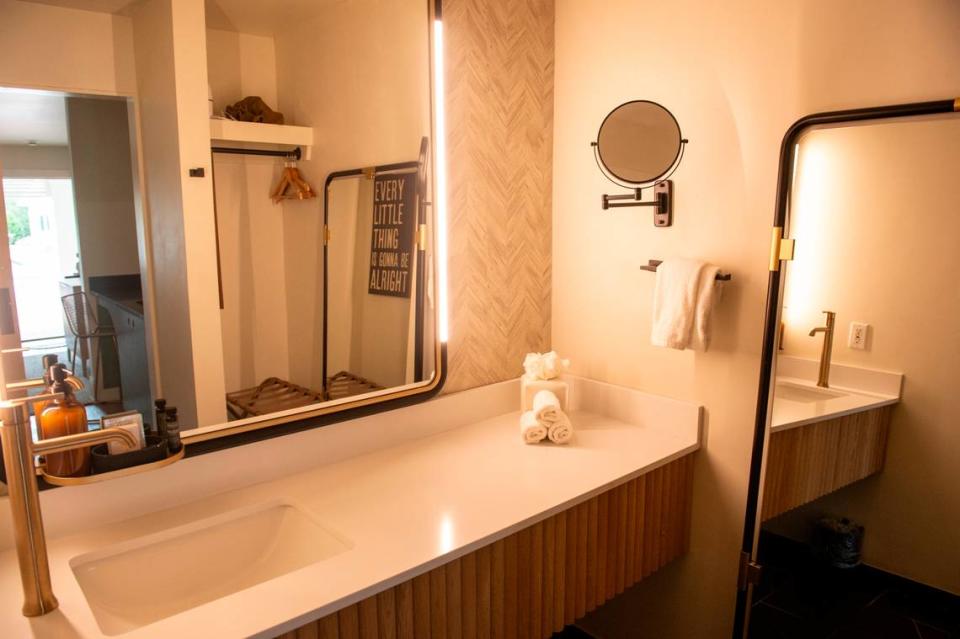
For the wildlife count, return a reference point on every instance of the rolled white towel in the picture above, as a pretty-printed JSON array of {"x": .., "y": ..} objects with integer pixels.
[
  {"x": 546, "y": 407},
  {"x": 560, "y": 431},
  {"x": 531, "y": 430}
]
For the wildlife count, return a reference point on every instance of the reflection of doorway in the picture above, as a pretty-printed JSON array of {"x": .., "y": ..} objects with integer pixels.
[{"x": 42, "y": 236}]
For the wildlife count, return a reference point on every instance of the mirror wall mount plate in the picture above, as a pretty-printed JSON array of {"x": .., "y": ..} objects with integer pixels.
[
  {"x": 749, "y": 569},
  {"x": 640, "y": 145}
]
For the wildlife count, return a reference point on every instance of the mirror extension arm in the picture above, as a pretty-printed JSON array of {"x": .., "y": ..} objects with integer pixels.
[{"x": 662, "y": 201}]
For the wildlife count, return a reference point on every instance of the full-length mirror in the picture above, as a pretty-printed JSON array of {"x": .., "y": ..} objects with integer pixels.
[
  {"x": 860, "y": 502},
  {"x": 286, "y": 271}
]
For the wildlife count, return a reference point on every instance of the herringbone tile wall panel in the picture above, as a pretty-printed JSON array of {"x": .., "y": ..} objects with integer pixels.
[{"x": 499, "y": 61}]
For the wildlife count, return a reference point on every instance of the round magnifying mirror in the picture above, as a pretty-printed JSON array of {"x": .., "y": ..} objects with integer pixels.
[{"x": 639, "y": 142}]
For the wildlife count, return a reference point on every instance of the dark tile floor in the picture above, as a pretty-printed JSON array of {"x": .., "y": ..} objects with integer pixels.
[{"x": 800, "y": 598}]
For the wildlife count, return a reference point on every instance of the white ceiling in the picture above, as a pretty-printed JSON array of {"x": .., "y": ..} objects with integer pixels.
[{"x": 32, "y": 116}]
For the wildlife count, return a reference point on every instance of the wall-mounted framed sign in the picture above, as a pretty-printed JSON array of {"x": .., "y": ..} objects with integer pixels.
[{"x": 392, "y": 237}]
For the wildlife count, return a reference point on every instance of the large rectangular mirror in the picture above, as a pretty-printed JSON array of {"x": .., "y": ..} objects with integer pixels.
[{"x": 320, "y": 243}]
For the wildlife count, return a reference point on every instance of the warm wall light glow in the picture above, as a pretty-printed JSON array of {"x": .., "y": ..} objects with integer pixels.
[
  {"x": 441, "y": 177},
  {"x": 446, "y": 534},
  {"x": 810, "y": 209}
]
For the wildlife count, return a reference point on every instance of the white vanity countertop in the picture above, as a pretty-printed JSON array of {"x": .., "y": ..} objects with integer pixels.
[
  {"x": 798, "y": 401},
  {"x": 405, "y": 509}
]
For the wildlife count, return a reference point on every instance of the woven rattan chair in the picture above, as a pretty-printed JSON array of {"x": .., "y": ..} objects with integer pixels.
[{"x": 80, "y": 309}]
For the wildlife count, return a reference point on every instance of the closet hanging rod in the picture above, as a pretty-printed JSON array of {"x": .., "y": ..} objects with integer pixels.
[
  {"x": 653, "y": 264},
  {"x": 295, "y": 154}
]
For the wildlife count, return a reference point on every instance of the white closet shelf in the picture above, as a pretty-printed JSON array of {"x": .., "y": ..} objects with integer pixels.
[{"x": 257, "y": 133}]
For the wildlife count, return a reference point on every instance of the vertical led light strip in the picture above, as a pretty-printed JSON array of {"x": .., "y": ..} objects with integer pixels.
[{"x": 441, "y": 176}]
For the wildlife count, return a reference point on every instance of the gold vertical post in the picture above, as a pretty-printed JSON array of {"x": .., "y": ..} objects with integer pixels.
[
  {"x": 15, "y": 435},
  {"x": 823, "y": 378}
]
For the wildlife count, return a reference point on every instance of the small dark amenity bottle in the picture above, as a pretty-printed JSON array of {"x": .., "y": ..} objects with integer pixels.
[
  {"x": 173, "y": 431},
  {"x": 160, "y": 418}
]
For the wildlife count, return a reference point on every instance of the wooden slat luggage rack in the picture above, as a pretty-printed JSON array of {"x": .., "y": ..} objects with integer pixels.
[{"x": 274, "y": 394}]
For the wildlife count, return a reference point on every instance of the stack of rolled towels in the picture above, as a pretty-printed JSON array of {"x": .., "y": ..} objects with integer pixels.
[{"x": 546, "y": 420}]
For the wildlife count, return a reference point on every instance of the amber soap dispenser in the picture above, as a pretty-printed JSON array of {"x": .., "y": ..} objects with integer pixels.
[{"x": 61, "y": 417}]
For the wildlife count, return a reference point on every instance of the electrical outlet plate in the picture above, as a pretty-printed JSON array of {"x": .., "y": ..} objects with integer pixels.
[{"x": 857, "y": 339}]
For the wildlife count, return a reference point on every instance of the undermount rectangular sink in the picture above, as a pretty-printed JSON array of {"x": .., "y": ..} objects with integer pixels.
[
  {"x": 804, "y": 394},
  {"x": 150, "y": 578}
]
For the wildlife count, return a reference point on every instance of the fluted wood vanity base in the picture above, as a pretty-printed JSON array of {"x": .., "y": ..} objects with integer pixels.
[
  {"x": 535, "y": 581},
  {"x": 807, "y": 462}
]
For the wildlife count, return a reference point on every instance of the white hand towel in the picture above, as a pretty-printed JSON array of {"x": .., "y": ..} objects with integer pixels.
[
  {"x": 546, "y": 407},
  {"x": 682, "y": 303},
  {"x": 561, "y": 431},
  {"x": 531, "y": 430}
]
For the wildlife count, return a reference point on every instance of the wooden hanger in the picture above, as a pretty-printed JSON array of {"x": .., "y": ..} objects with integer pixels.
[{"x": 291, "y": 179}]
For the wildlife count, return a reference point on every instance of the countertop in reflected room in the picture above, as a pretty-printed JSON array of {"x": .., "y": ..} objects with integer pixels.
[
  {"x": 798, "y": 401},
  {"x": 449, "y": 476},
  {"x": 122, "y": 290}
]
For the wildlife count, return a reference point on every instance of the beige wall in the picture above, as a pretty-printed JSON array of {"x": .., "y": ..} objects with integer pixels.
[
  {"x": 344, "y": 199},
  {"x": 254, "y": 315},
  {"x": 875, "y": 217},
  {"x": 100, "y": 153},
  {"x": 735, "y": 75},
  {"x": 48, "y": 47},
  {"x": 239, "y": 65}
]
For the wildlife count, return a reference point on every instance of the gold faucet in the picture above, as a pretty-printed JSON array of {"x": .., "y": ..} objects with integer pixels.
[
  {"x": 823, "y": 380},
  {"x": 19, "y": 451}
]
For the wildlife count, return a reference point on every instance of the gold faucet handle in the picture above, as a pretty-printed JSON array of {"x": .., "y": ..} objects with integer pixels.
[
  {"x": 23, "y": 401},
  {"x": 25, "y": 384}
]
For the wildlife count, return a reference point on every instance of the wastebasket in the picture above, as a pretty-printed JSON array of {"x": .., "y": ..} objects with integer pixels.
[{"x": 839, "y": 542}]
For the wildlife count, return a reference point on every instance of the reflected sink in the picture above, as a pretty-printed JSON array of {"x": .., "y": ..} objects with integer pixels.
[
  {"x": 804, "y": 394},
  {"x": 150, "y": 578}
]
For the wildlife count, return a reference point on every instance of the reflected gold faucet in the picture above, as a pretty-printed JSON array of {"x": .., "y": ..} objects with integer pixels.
[
  {"x": 19, "y": 451},
  {"x": 823, "y": 379}
]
